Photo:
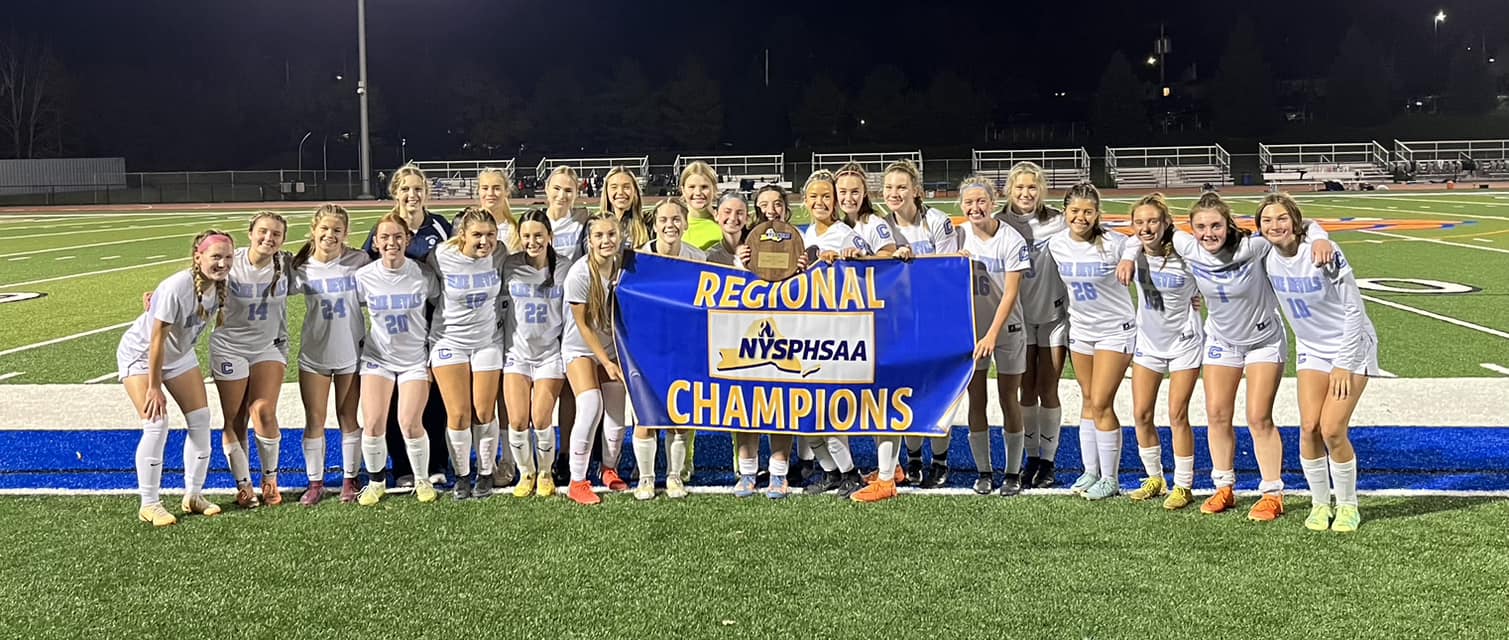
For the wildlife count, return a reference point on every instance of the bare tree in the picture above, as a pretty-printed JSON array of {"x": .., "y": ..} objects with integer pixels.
[{"x": 31, "y": 111}]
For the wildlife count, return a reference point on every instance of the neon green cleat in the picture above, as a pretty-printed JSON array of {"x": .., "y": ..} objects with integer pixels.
[
  {"x": 1103, "y": 488},
  {"x": 1347, "y": 519},
  {"x": 373, "y": 492},
  {"x": 1083, "y": 484},
  {"x": 1179, "y": 498},
  {"x": 1152, "y": 487},
  {"x": 1319, "y": 518},
  {"x": 424, "y": 491},
  {"x": 525, "y": 487},
  {"x": 544, "y": 485}
]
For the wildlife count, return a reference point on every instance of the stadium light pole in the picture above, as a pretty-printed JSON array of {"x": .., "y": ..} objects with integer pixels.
[
  {"x": 301, "y": 153},
  {"x": 361, "y": 94}
]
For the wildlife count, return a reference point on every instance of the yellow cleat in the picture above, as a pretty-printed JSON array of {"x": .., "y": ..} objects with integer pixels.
[
  {"x": 544, "y": 485},
  {"x": 198, "y": 504},
  {"x": 157, "y": 515},
  {"x": 425, "y": 492},
  {"x": 1179, "y": 498},
  {"x": 371, "y": 493},
  {"x": 1347, "y": 519},
  {"x": 1152, "y": 487},
  {"x": 524, "y": 488}
]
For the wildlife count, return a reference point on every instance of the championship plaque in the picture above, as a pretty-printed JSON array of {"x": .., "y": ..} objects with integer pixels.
[{"x": 774, "y": 248}]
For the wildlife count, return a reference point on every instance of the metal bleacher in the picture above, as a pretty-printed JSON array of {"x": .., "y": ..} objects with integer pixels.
[
  {"x": 586, "y": 167},
  {"x": 1351, "y": 164},
  {"x": 1166, "y": 167},
  {"x": 742, "y": 173},
  {"x": 457, "y": 179},
  {"x": 874, "y": 163},
  {"x": 1063, "y": 168},
  {"x": 1450, "y": 159}
]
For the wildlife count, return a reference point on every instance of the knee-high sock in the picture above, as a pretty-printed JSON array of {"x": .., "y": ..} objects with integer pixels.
[
  {"x": 419, "y": 455},
  {"x": 485, "y": 435},
  {"x": 154, "y": 437},
  {"x": 267, "y": 453},
  {"x": 1108, "y": 446},
  {"x": 676, "y": 453},
  {"x": 1089, "y": 455},
  {"x": 459, "y": 443},
  {"x": 885, "y": 453},
  {"x": 235, "y": 456},
  {"x": 979, "y": 447},
  {"x": 615, "y": 423},
  {"x": 780, "y": 465},
  {"x": 314, "y": 457},
  {"x": 1152, "y": 461},
  {"x": 196, "y": 451},
  {"x": 375, "y": 452},
  {"x": 644, "y": 456},
  {"x": 1049, "y": 422},
  {"x": 544, "y": 450},
  {"x": 1184, "y": 471},
  {"x": 804, "y": 450},
  {"x": 589, "y": 412},
  {"x": 838, "y": 447},
  {"x": 1030, "y": 429},
  {"x": 1318, "y": 476},
  {"x": 1014, "y": 444},
  {"x": 523, "y": 453},
  {"x": 1344, "y": 477},
  {"x": 505, "y": 452},
  {"x": 351, "y": 453}
]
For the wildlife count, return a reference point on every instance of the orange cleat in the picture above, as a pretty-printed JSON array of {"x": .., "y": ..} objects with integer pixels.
[
  {"x": 1268, "y": 508},
  {"x": 246, "y": 498},
  {"x": 270, "y": 495},
  {"x": 581, "y": 493},
  {"x": 875, "y": 491},
  {"x": 1223, "y": 499},
  {"x": 613, "y": 482}
]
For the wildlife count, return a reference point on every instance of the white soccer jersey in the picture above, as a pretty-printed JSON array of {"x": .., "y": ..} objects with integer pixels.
[
  {"x": 934, "y": 233},
  {"x": 1099, "y": 305},
  {"x": 467, "y": 316},
  {"x": 990, "y": 260},
  {"x": 174, "y": 303},
  {"x": 1167, "y": 323},
  {"x": 1323, "y": 305},
  {"x": 577, "y": 287},
  {"x": 1043, "y": 292},
  {"x": 256, "y": 307},
  {"x": 687, "y": 251},
  {"x": 838, "y": 237},
  {"x": 537, "y": 306},
  {"x": 568, "y": 232},
  {"x": 876, "y": 232},
  {"x": 333, "y": 326},
  {"x": 507, "y": 234},
  {"x": 395, "y": 300}
]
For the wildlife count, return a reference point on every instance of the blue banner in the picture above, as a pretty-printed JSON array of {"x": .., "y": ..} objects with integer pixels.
[{"x": 876, "y": 347}]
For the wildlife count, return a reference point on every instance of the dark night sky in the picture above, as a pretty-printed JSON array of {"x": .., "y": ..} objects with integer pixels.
[{"x": 130, "y": 55}]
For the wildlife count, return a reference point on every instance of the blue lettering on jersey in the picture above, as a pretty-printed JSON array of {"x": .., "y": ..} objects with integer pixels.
[
  {"x": 1285, "y": 284},
  {"x": 396, "y": 302},
  {"x": 523, "y": 290},
  {"x": 343, "y": 284},
  {"x": 1226, "y": 274},
  {"x": 1085, "y": 269},
  {"x": 993, "y": 265},
  {"x": 1165, "y": 280}
]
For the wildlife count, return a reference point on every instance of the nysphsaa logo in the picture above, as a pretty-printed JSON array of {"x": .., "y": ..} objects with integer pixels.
[
  {"x": 834, "y": 348},
  {"x": 771, "y": 235}
]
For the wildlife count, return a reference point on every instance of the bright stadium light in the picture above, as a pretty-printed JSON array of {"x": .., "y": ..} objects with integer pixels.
[
  {"x": 1152, "y": 60},
  {"x": 1440, "y": 17}
]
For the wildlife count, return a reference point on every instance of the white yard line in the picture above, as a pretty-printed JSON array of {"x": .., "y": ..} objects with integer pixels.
[
  {"x": 1385, "y": 373},
  {"x": 104, "y": 229},
  {"x": 53, "y": 341},
  {"x": 110, "y": 258},
  {"x": 1495, "y": 368},
  {"x": 1434, "y": 241},
  {"x": 19, "y": 259},
  {"x": 7, "y": 376},
  {"x": 1437, "y": 316},
  {"x": 108, "y": 376},
  {"x": 87, "y": 274},
  {"x": 1411, "y": 211},
  {"x": 59, "y": 258},
  {"x": 156, "y": 256},
  {"x": 97, "y": 244}
]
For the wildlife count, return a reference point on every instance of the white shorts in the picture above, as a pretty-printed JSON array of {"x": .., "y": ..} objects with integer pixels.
[
  {"x": 326, "y": 371},
  {"x": 1049, "y": 334},
  {"x": 407, "y": 375},
  {"x": 547, "y": 368},
  {"x": 1220, "y": 353},
  {"x": 1181, "y": 361},
  {"x": 1120, "y": 343},
  {"x": 1307, "y": 358},
  {"x": 1010, "y": 354},
  {"x": 488, "y": 358},
  {"x": 236, "y": 366},
  {"x": 138, "y": 367}
]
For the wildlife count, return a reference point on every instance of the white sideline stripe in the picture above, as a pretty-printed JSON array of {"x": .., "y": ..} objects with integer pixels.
[
  {"x": 1482, "y": 240},
  {"x": 64, "y": 258},
  {"x": 1437, "y": 316},
  {"x": 10, "y": 375},
  {"x": 728, "y": 490},
  {"x": 102, "y": 378},
  {"x": 97, "y": 244},
  {"x": 20, "y": 259},
  {"x": 106, "y": 229},
  {"x": 1434, "y": 241},
  {"x": 53, "y": 341},
  {"x": 1495, "y": 368},
  {"x": 110, "y": 258},
  {"x": 1385, "y": 373},
  {"x": 1423, "y": 213},
  {"x": 1484, "y": 203},
  {"x": 82, "y": 222},
  {"x": 85, "y": 274}
]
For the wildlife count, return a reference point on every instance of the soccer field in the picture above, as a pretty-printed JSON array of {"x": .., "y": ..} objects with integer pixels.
[{"x": 90, "y": 269}]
